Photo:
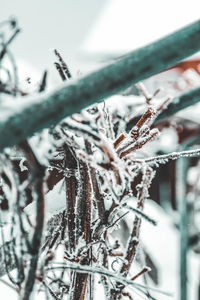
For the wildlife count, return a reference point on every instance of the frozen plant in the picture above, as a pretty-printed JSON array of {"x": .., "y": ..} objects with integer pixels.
[{"x": 64, "y": 210}]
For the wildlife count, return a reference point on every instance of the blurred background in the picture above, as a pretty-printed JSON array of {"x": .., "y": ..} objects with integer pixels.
[{"x": 91, "y": 32}]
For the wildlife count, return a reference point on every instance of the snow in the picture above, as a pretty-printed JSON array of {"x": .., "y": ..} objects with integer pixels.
[{"x": 55, "y": 202}]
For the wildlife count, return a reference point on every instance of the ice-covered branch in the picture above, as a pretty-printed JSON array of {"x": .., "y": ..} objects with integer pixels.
[
  {"x": 22, "y": 118},
  {"x": 163, "y": 159},
  {"x": 103, "y": 271},
  {"x": 140, "y": 214},
  {"x": 38, "y": 173}
]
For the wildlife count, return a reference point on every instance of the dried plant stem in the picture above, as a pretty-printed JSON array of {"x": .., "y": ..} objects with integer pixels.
[
  {"x": 36, "y": 242},
  {"x": 144, "y": 92},
  {"x": 134, "y": 237},
  {"x": 104, "y": 278},
  {"x": 71, "y": 193},
  {"x": 4, "y": 50},
  {"x": 84, "y": 229},
  {"x": 144, "y": 270},
  {"x": 38, "y": 174},
  {"x": 99, "y": 198},
  {"x": 51, "y": 108},
  {"x": 63, "y": 65},
  {"x": 7, "y": 265},
  {"x": 133, "y": 242},
  {"x": 119, "y": 140},
  {"x": 43, "y": 83},
  {"x": 60, "y": 71},
  {"x": 137, "y": 146}
]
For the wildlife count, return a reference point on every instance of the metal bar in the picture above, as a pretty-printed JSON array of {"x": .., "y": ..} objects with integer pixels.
[
  {"x": 181, "y": 102},
  {"x": 27, "y": 116},
  {"x": 182, "y": 167},
  {"x": 182, "y": 208}
]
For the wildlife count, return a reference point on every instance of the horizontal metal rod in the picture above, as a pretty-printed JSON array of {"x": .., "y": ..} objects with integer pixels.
[
  {"x": 178, "y": 103},
  {"x": 183, "y": 101},
  {"x": 26, "y": 116}
]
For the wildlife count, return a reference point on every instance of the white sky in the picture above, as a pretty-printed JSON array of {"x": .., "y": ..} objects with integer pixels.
[
  {"x": 50, "y": 24},
  {"x": 95, "y": 28},
  {"x": 129, "y": 24}
]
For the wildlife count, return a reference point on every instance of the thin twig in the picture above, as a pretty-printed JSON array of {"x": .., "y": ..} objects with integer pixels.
[
  {"x": 43, "y": 83},
  {"x": 163, "y": 159},
  {"x": 104, "y": 272},
  {"x": 144, "y": 270},
  {"x": 38, "y": 174},
  {"x": 99, "y": 198},
  {"x": 63, "y": 64},
  {"x": 3, "y": 52}
]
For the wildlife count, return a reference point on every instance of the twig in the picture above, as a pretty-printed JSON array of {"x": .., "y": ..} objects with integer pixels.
[
  {"x": 84, "y": 226},
  {"x": 3, "y": 52},
  {"x": 138, "y": 145},
  {"x": 60, "y": 71},
  {"x": 104, "y": 272},
  {"x": 99, "y": 198},
  {"x": 134, "y": 238},
  {"x": 82, "y": 130},
  {"x": 163, "y": 159},
  {"x": 43, "y": 83},
  {"x": 38, "y": 174},
  {"x": 71, "y": 193},
  {"x": 144, "y": 270},
  {"x": 63, "y": 64},
  {"x": 139, "y": 213},
  {"x": 133, "y": 241},
  {"x": 141, "y": 87},
  {"x": 36, "y": 241}
]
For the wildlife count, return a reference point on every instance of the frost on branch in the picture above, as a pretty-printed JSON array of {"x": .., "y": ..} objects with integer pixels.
[
  {"x": 91, "y": 162},
  {"x": 69, "y": 190}
]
